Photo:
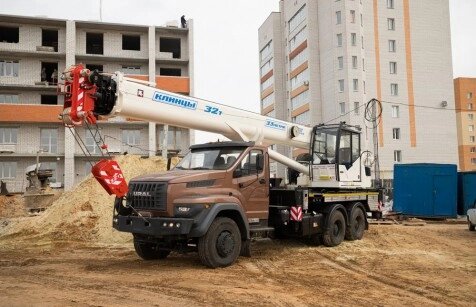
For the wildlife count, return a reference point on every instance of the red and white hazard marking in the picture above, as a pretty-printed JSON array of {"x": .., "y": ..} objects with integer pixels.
[{"x": 296, "y": 214}]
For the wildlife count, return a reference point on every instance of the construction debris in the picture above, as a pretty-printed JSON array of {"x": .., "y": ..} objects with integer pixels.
[{"x": 84, "y": 213}]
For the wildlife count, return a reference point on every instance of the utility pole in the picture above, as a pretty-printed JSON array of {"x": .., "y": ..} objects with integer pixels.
[{"x": 375, "y": 141}]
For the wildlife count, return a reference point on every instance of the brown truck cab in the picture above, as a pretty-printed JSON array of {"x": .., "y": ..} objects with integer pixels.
[{"x": 212, "y": 195}]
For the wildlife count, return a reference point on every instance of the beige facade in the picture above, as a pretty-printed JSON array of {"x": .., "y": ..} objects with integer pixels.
[
  {"x": 29, "y": 106},
  {"x": 465, "y": 94},
  {"x": 339, "y": 54}
]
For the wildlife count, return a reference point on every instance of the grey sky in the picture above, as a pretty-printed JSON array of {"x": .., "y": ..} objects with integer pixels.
[{"x": 226, "y": 37}]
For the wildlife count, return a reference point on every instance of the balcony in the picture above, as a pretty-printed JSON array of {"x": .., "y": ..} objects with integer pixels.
[{"x": 7, "y": 148}]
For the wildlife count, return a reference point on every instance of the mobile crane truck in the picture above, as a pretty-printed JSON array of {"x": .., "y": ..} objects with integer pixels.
[{"x": 220, "y": 195}]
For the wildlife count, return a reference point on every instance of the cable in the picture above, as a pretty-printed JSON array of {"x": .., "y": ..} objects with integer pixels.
[{"x": 425, "y": 107}]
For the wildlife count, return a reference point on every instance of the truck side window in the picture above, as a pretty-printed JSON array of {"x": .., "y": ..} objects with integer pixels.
[{"x": 247, "y": 166}]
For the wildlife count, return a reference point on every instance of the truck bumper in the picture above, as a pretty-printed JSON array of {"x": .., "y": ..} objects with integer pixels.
[{"x": 156, "y": 226}]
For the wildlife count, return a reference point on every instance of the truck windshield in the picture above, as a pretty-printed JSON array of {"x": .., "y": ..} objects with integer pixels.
[{"x": 210, "y": 158}]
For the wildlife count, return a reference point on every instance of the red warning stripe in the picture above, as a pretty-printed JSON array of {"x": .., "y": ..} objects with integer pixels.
[{"x": 296, "y": 214}]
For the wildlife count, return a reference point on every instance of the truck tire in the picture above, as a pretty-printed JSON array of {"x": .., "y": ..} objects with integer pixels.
[
  {"x": 356, "y": 228},
  {"x": 221, "y": 244},
  {"x": 149, "y": 251},
  {"x": 335, "y": 231}
]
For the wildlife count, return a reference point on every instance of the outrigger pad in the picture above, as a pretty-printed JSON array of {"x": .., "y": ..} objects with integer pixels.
[{"x": 109, "y": 175}]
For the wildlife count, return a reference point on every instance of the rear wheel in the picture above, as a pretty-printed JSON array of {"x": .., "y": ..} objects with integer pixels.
[
  {"x": 335, "y": 232},
  {"x": 221, "y": 245},
  {"x": 149, "y": 251},
  {"x": 356, "y": 228}
]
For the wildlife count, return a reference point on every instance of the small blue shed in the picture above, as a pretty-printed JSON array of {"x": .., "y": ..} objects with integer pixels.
[
  {"x": 425, "y": 190},
  {"x": 466, "y": 191}
]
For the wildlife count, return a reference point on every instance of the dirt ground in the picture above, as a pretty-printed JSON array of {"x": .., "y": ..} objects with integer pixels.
[{"x": 393, "y": 265}]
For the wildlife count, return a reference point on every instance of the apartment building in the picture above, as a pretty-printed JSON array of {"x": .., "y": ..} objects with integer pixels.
[
  {"x": 322, "y": 61},
  {"x": 34, "y": 52},
  {"x": 465, "y": 94}
]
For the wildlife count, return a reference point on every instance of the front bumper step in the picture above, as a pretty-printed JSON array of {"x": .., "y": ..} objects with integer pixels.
[{"x": 153, "y": 226}]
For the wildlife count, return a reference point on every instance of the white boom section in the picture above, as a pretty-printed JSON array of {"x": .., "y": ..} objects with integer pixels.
[{"x": 136, "y": 99}]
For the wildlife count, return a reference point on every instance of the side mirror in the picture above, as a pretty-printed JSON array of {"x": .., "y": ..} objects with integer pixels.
[{"x": 259, "y": 163}]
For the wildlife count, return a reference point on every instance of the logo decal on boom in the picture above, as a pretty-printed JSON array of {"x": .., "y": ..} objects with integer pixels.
[
  {"x": 175, "y": 101},
  {"x": 274, "y": 124}
]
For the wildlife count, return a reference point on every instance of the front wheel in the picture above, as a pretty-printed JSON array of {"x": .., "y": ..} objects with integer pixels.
[
  {"x": 335, "y": 231},
  {"x": 149, "y": 251},
  {"x": 221, "y": 245}
]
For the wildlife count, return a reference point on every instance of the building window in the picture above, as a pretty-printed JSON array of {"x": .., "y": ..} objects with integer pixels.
[
  {"x": 395, "y": 111},
  {"x": 396, "y": 133},
  {"x": 267, "y": 83},
  {"x": 8, "y": 135},
  {"x": 470, "y": 95},
  {"x": 390, "y": 4},
  {"x": 302, "y": 119},
  {"x": 352, "y": 16},
  {"x": 391, "y": 23},
  {"x": 340, "y": 60},
  {"x": 49, "y": 140},
  {"x": 49, "y": 99},
  {"x": 49, "y": 38},
  {"x": 363, "y": 64},
  {"x": 470, "y": 116},
  {"x": 393, "y": 68},
  {"x": 339, "y": 40},
  {"x": 131, "y": 70},
  {"x": 266, "y": 51},
  {"x": 130, "y": 137},
  {"x": 341, "y": 85},
  {"x": 355, "y": 84},
  {"x": 176, "y": 72},
  {"x": 342, "y": 108},
  {"x": 356, "y": 108},
  {"x": 362, "y": 40},
  {"x": 471, "y": 128},
  {"x": 363, "y": 83},
  {"x": 392, "y": 45},
  {"x": 299, "y": 17},
  {"x": 353, "y": 39},
  {"x": 8, "y": 170},
  {"x": 354, "y": 62},
  {"x": 394, "y": 89},
  {"x": 473, "y": 161},
  {"x": 90, "y": 143},
  {"x": 94, "y": 43},
  {"x": 301, "y": 79},
  {"x": 9, "y": 98},
  {"x": 9, "y": 68},
  {"x": 470, "y": 106},
  {"x": 471, "y": 138},
  {"x": 299, "y": 59},
  {"x": 297, "y": 39},
  {"x": 472, "y": 150},
  {"x": 267, "y": 67},
  {"x": 131, "y": 42},
  {"x": 397, "y": 156},
  {"x": 267, "y": 101},
  {"x": 92, "y": 67},
  {"x": 338, "y": 18},
  {"x": 171, "y": 45},
  {"x": 9, "y": 34},
  {"x": 299, "y": 100},
  {"x": 361, "y": 20}
]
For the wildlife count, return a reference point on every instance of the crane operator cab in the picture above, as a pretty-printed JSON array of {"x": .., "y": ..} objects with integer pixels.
[{"x": 337, "y": 158}]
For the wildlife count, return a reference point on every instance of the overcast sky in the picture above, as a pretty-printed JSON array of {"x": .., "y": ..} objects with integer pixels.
[{"x": 226, "y": 37}]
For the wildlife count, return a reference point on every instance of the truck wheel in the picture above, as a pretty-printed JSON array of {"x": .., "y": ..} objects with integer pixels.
[
  {"x": 148, "y": 251},
  {"x": 356, "y": 229},
  {"x": 221, "y": 245},
  {"x": 335, "y": 232}
]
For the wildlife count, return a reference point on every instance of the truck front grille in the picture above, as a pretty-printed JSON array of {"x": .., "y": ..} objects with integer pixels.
[{"x": 148, "y": 195}]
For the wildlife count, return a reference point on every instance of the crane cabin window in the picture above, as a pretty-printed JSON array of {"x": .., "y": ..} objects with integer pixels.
[{"x": 219, "y": 158}]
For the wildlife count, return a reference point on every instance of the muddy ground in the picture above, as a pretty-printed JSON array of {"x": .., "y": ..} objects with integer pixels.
[{"x": 393, "y": 265}]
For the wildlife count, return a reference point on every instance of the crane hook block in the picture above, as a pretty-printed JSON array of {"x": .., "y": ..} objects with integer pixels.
[{"x": 109, "y": 175}]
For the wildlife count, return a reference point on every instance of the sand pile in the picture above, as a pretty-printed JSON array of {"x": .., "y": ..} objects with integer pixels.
[
  {"x": 85, "y": 213},
  {"x": 12, "y": 206}
]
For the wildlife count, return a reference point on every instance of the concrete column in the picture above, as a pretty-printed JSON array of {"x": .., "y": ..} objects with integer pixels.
[
  {"x": 152, "y": 73},
  {"x": 69, "y": 142}
]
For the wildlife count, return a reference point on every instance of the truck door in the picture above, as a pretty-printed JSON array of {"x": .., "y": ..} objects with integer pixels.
[{"x": 253, "y": 184}]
